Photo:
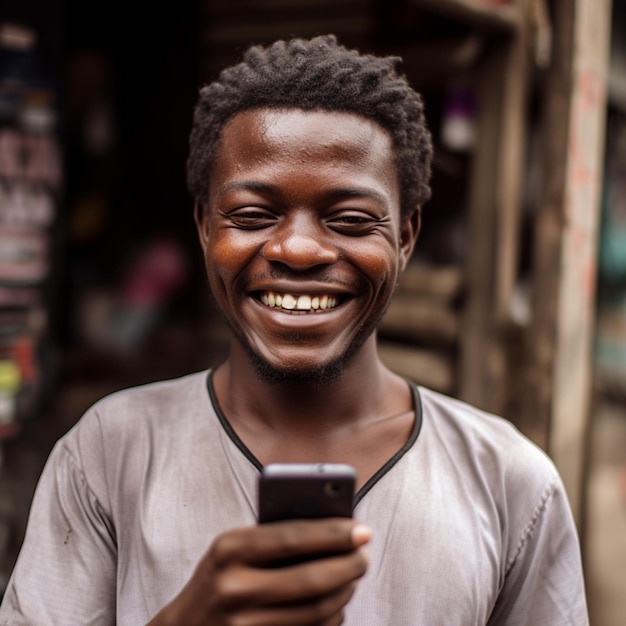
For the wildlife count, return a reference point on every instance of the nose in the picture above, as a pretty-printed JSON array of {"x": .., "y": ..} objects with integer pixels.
[{"x": 300, "y": 244}]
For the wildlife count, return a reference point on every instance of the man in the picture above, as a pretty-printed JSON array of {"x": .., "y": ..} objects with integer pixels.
[{"x": 308, "y": 164}]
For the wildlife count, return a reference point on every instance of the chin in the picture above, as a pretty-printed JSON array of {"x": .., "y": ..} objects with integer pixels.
[{"x": 321, "y": 375}]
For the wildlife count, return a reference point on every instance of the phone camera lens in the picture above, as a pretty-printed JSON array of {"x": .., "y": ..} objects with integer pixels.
[{"x": 332, "y": 488}]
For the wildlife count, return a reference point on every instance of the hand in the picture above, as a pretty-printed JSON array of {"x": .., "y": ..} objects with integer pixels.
[{"x": 237, "y": 582}]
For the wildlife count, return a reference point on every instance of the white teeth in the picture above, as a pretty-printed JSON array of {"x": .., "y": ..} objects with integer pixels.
[
  {"x": 290, "y": 302},
  {"x": 304, "y": 303}
]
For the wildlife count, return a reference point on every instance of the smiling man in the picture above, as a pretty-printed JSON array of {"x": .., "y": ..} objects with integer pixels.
[{"x": 309, "y": 164}]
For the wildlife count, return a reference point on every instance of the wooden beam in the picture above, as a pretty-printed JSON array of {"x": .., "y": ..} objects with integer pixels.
[
  {"x": 477, "y": 326},
  {"x": 493, "y": 223},
  {"x": 244, "y": 32},
  {"x": 482, "y": 15},
  {"x": 573, "y": 360},
  {"x": 559, "y": 341}
]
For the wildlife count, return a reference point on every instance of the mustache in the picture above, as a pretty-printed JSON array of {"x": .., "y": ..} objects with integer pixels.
[{"x": 320, "y": 275}]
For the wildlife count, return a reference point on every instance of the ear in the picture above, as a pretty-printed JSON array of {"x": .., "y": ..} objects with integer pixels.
[
  {"x": 202, "y": 222},
  {"x": 408, "y": 235}
]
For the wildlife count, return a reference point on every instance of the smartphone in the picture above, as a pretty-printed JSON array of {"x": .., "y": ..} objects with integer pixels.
[{"x": 289, "y": 491}]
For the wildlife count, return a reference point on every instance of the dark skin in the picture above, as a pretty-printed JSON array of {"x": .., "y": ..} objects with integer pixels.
[{"x": 304, "y": 244}]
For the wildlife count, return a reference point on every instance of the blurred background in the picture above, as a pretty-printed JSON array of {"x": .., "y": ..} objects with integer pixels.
[{"x": 515, "y": 299}]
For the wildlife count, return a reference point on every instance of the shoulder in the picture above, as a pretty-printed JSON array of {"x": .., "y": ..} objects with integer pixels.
[
  {"x": 489, "y": 446},
  {"x": 474, "y": 427},
  {"x": 147, "y": 405},
  {"x": 507, "y": 474},
  {"x": 133, "y": 423},
  {"x": 136, "y": 411}
]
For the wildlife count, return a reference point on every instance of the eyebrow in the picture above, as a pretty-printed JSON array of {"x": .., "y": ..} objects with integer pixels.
[
  {"x": 247, "y": 185},
  {"x": 346, "y": 193},
  {"x": 341, "y": 193}
]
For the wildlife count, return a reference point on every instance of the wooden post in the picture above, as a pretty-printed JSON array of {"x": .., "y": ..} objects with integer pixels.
[
  {"x": 493, "y": 223},
  {"x": 558, "y": 384}
]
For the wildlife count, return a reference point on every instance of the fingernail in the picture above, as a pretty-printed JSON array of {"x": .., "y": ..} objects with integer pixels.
[{"x": 361, "y": 534}]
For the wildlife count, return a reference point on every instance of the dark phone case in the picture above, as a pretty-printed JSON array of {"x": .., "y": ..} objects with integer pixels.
[{"x": 306, "y": 491}]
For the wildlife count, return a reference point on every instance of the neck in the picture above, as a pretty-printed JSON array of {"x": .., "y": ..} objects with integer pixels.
[{"x": 362, "y": 391}]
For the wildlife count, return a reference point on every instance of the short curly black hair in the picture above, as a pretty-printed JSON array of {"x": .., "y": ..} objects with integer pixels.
[{"x": 316, "y": 74}]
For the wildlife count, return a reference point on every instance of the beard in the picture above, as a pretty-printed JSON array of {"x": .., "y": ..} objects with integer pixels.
[{"x": 321, "y": 375}]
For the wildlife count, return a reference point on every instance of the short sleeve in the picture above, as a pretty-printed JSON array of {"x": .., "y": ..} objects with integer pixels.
[
  {"x": 544, "y": 583},
  {"x": 66, "y": 570}
]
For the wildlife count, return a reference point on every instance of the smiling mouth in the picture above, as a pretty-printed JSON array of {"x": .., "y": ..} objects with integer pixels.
[{"x": 301, "y": 303}]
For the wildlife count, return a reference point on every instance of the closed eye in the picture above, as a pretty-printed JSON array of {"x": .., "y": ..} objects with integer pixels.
[
  {"x": 353, "y": 223},
  {"x": 252, "y": 218}
]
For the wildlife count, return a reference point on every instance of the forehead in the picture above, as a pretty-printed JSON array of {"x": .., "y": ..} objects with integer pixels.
[
  {"x": 340, "y": 140},
  {"x": 280, "y": 123}
]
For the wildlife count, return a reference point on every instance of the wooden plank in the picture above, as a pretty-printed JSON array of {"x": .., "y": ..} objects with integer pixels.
[
  {"x": 421, "y": 320},
  {"x": 573, "y": 360},
  {"x": 424, "y": 367},
  {"x": 480, "y": 14},
  {"x": 511, "y": 151},
  {"x": 477, "y": 334},
  {"x": 220, "y": 8},
  {"x": 559, "y": 342},
  {"x": 494, "y": 218},
  {"x": 238, "y": 32},
  {"x": 540, "y": 346},
  {"x": 441, "y": 283}
]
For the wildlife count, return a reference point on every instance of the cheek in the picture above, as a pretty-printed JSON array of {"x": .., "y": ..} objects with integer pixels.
[
  {"x": 219, "y": 262},
  {"x": 226, "y": 255},
  {"x": 381, "y": 264},
  {"x": 228, "y": 258},
  {"x": 219, "y": 255}
]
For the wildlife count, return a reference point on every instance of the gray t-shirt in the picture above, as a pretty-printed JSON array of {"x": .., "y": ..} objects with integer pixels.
[{"x": 471, "y": 524}]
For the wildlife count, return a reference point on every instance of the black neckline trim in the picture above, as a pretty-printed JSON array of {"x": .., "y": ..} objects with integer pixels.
[
  {"x": 230, "y": 431},
  {"x": 415, "y": 431},
  {"x": 417, "y": 427}
]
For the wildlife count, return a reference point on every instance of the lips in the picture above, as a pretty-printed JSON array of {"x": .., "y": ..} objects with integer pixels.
[{"x": 299, "y": 303}]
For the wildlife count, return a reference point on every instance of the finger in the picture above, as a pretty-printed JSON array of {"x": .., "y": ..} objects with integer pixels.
[
  {"x": 323, "y": 611},
  {"x": 267, "y": 543},
  {"x": 305, "y": 582}
]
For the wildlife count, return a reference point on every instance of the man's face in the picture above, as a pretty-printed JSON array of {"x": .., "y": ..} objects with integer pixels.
[{"x": 302, "y": 236}]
